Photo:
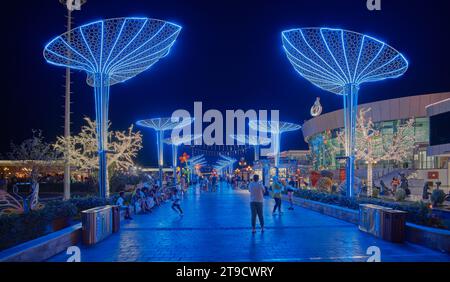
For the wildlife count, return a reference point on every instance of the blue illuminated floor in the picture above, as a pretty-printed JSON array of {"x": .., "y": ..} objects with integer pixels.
[{"x": 216, "y": 228}]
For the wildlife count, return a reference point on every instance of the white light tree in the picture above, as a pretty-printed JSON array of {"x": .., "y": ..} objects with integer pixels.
[
  {"x": 37, "y": 155},
  {"x": 123, "y": 147},
  {"x": 372, "y": 146}
]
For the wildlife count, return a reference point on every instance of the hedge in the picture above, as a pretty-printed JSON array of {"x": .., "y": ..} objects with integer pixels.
[
  {"x": 19, "y": 228},
  {"x": 418, "y": 212}
]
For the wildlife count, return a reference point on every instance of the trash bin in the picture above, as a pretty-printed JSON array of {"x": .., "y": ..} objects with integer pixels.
[
  {"x": 370, "y": 219},
  {"x": 116, "y": 218},
  {"x": 97, "y": 224},
  {"x": 394, "y": 222}
]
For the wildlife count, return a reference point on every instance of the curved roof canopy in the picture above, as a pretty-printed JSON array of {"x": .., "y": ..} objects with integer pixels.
[
  {"x": 332, "y": 58},
  {"x": 119, "y": 48}
]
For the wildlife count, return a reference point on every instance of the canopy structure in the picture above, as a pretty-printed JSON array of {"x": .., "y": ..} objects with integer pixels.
[
  {"x": 194, "y": 161},
  {"x": 160, "y": 125},
  {"x": 251, "y": 140},
  {"x": 175, "y": 142},
  {"x": 339, "y": 61},
  {"x": 276, "y": 129},
  {"x": 224, "y": 162},
  {"x": 111, "y": 51}
]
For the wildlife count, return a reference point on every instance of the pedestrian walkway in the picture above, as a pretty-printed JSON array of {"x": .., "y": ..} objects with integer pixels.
[{"x": 216, "y": 227}]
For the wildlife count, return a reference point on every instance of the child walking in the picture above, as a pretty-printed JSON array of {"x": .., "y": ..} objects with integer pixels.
[{"x": 176, "y": 200}]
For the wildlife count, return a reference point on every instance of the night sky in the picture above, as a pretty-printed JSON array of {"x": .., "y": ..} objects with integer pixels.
[{"x": 228, "y": 55}]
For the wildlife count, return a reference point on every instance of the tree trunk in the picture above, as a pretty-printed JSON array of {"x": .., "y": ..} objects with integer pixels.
[{"x": 369, "y": 179}]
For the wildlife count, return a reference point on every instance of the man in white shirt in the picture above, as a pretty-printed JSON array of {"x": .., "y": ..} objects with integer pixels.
[{"x": 256, "y": 190}]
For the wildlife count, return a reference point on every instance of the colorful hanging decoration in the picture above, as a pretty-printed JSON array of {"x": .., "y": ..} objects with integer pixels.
[{"x": 316, "y": 109}]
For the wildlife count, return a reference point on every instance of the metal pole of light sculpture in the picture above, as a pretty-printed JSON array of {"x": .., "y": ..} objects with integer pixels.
[
  {"x": 175, "y": 143},
  {"x": 276, "y": 129},
  {"x": 252, "y": 141},
  {"x": 339, "y": 61},
  {"x": 111, "y": 51},
  {"x": 70, "y": 6},
  {"x": 160, "y": 125}
]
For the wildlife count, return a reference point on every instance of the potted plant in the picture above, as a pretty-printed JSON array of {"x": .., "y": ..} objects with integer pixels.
[{"x": 437, "y": 197}]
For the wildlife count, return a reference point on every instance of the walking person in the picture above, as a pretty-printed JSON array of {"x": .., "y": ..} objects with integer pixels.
[
  {"x": 176, "y": 200},
  {"x": 256, "y": 190},
  {"x": 290, "y": 188},
  {"x": 276, "y": 195}
]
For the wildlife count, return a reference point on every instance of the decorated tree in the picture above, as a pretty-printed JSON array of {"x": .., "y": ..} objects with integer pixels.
[
  {"x": 37, "y": 155},
  {"x": 372, "y": 147},
  {"x": 122, "y": 148}
]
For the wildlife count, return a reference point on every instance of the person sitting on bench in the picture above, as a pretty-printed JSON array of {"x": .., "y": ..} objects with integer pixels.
[{"x": 121, "y": 203}]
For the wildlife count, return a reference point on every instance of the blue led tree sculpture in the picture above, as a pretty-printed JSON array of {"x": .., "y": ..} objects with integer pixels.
[
  {"x": 252, "y": 141},
  {"x": 160, "y": 125},
  {"x": 276, "y": 128},
  {"x": 111, "y": 51},
  {"x": 176, "y": 142},
  {"x": 339, "y": 61}
]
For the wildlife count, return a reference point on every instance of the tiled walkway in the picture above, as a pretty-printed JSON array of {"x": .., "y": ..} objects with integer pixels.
[{"x": 215, "y": 227}]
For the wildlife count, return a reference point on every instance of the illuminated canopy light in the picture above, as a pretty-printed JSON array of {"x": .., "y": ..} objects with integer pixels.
[
  {"x": 224, "y": 162},
  {"x": 175, "y": 142},
  {"x": 253, "y": 141},
  {"x": 339, "y": 61},
  {"x": 160, "y": 125},
  {"x": 111, "y": 51},
  {"x": 332, "y": 58},
  {"x": 276, "y": 128},
  {"x": 164, "y": 124},
  {"x": 273, "y": 127},
  {"x": 120, "y": 48}
]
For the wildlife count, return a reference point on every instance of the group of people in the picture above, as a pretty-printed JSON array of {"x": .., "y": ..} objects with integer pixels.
[
  {"x": 144, "y": 199},
  {"x": 257, "y": 192},
  {"x": 210, "y": 183},
  {"x": 397, "y": 182}
]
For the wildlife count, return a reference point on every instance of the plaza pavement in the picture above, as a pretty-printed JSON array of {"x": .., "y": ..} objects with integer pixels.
[{"x": 215, "y": 227}]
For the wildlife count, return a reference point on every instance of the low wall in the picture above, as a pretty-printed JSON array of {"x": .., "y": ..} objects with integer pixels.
[
  {"x": 342, "y": 213},
  {"x": 433, "y": 238},
  {"x": 43, "y": 248}
]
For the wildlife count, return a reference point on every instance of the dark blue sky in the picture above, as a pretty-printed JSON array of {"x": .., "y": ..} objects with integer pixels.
[{"x": 228, "y": 56}]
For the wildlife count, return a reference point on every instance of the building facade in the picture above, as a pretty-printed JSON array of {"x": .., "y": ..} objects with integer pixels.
[{"x": 321, "y": 133}]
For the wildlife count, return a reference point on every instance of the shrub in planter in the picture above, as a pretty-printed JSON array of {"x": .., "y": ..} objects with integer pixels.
[
  {"x": 18, "y": 228},
  {"x": 59, "y": 213},
  {"x": 437, "y": 197},
  {"x": 400, "y": 195}
]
